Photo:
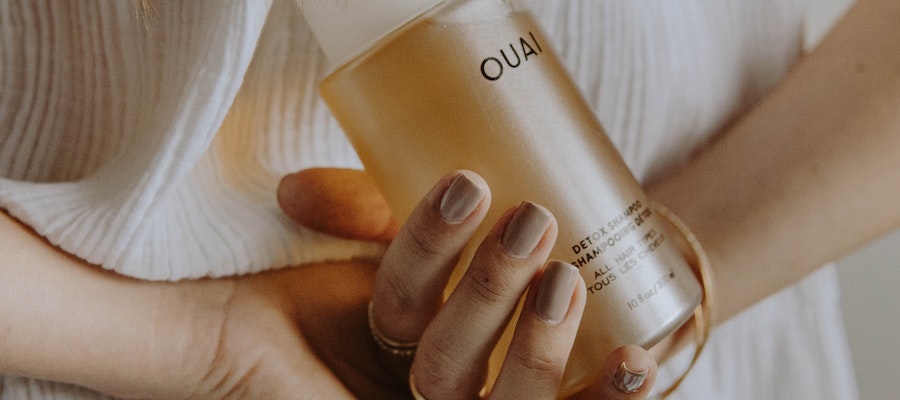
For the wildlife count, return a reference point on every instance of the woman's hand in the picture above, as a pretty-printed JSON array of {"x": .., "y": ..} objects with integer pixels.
[
  {"x": 303, "y": 331},
  {"x": 456, "y": 338},
  {"x": 282, "y": 334}
]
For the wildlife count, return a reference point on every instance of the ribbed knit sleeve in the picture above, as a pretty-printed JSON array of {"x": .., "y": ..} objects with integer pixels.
[{"x": 143, "y": 141}]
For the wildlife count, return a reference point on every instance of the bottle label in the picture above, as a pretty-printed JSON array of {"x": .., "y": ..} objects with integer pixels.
[
  {"x": 617, "y": 247},
  {"x": 510, "y": 57}
]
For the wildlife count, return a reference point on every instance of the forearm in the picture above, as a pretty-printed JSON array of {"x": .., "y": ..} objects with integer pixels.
[
  {"x": 64, "y": 320},
  {"x": 810, "y": 174}
]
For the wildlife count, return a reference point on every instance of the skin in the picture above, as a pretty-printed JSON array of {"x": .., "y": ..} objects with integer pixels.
[
  {"x": 294, "y": 333},
  {"x": 805, "y": 177},
  {"x": 810, "y": 174},
  {"x": 231, "y": 338}
]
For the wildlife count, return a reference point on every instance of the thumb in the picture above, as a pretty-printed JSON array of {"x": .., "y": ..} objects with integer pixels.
[
  {"x": 340, "y": 202},
  {"x": 628, "y": 374}
]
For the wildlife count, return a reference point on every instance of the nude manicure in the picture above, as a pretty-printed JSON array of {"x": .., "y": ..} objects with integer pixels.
[
  {"x": 525, "y": 229},
  {"x": 460, "y": 199},
  {"x": 555, "y": 293},
  {"x": 629, "y": 381}
]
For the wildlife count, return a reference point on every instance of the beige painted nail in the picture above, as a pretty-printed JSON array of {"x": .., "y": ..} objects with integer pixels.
[
  {"x": 555, "y": 293},
  {"x": 460, "y": 199},
  {"x": 629, "y": 381},
  {"x": 525, "y": 229}
]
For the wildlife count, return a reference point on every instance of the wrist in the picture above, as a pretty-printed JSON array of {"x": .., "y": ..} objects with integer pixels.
[
  {"x": 182, "y": 323},
  {"x": 66, "y": 320}
]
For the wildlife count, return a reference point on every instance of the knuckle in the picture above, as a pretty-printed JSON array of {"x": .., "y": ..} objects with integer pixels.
[
  {"x": 401, "y": 314},
  {"x": 435, "y": 367},
  {"x": 488, "y": 286},
  {"x": 399, "y": 299},
  {"x": 423, "y": 242},
  {"x": 536, "y": 362}
]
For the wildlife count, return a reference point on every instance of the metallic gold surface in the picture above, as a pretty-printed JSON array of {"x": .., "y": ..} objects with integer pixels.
[{"x": 431, "y": 98}]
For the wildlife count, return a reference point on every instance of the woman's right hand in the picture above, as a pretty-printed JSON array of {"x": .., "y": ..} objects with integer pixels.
[{"x": 456, "y": 338}]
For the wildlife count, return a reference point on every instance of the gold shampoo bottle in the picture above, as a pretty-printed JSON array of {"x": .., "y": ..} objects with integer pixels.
[{"x": 436, "y": 86}]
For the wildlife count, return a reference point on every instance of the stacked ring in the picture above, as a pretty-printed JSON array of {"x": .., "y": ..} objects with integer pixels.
[
  {"x": 405, "y": 349},
  {"x": 413, "y": 389},
  {"x": 418, "y": 395}
]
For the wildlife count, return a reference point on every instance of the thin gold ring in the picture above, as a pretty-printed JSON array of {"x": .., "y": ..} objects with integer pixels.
[
  {"x": 404, "y": 349},
  {"x": 412, "y": 388},
  {"x": 418, "y": 395}
]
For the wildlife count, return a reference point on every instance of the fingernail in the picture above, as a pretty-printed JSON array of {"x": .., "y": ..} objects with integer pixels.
[
  {"x": 460, "y": 199},
  {"x": 555, "y": 293},
  {"x": 525, "y": 229},
  {"x": 629, "y": 381}
]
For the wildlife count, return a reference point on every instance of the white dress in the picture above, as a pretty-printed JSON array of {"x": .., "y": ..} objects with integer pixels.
[{"x": 153, "y": 145}]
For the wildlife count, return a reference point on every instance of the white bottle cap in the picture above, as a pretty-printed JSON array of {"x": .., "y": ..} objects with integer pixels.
[{"x": 344, "y": 28}]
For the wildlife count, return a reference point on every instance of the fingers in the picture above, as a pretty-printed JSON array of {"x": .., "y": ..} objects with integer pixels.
[
  {"x": 454, "y": 344},
  {"x": 628, "y": 374},
  {"x": 454, "y": 350},
  {"x": 340, "y": 202},
  {"x": 416, "y": 266},
  {"x": 544, "y": 334}
]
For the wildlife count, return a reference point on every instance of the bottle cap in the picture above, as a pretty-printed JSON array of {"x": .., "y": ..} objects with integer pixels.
[{"x": 344, "y": 28}]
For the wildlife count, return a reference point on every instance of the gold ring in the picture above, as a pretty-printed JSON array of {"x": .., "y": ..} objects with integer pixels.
[
  {"x": 418, "y": 396},
  {"x": 405, "y": 349},
  {"x": 412, "y": 388}
]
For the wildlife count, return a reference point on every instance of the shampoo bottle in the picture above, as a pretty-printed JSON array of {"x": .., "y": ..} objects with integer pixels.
[{"x": 425, "y": 87}]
